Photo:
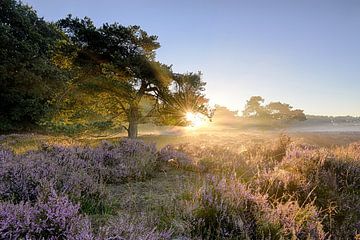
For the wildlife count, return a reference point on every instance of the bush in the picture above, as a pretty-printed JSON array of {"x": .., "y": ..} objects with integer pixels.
[
  {"x": 267, "y": 156},
  {"x": 222, "y": 210},
  {"x": 290, "y": 221},
  {"x": 352, "y": 151},
  {"x": 22, "y": 176},
  {"x": 227, "y": 209},
  {"x": 172, "y": 155},
  {"x": 5, "y": 155},
  {"x": 79, "y": 172},
  {"x": 215, "y": 159},
  {"x": 129, "y": 160},
  {"x": 50, "y": 217},
  {"x": 329, "y": 178},
  {"x": 294, "y": 176}
]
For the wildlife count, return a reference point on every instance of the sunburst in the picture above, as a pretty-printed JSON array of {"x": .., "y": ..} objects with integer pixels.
[{"x": 196, "y": 119}]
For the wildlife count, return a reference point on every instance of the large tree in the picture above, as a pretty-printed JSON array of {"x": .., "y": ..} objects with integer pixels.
[
  {"x": 116, "y": 66},
  {"x": 28, "y": 78}
]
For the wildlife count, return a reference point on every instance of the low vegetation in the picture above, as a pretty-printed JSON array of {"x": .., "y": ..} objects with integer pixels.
[{"x": 218, "y": 189}]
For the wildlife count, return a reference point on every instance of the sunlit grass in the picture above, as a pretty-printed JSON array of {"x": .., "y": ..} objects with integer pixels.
[{"x": 275, "y": 177}]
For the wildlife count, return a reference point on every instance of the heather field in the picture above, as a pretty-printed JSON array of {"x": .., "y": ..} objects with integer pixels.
[
  {"x": 179, "y": 120},
  {"x": 235, "y": 186}
]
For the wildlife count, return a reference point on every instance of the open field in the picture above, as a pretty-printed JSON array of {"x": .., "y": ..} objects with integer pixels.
[
  {"x": 195, "y": 120},
  {"x": 25, "y": 142},
  {"x": 246, "y": 185}
]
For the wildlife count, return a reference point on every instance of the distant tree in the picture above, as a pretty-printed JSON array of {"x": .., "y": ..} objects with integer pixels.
[
  {"x": 283, "y": 111},
  {"x": 254, "y": 108},
  {"x": 223, "y": 115},
  {"x": 298, "y": 114},
  {"x": 278, "y": 110},
  {"x": 115, "y": 67},
  {"x": 274, "y": 110},
  {"x": 28, "y": 78}
]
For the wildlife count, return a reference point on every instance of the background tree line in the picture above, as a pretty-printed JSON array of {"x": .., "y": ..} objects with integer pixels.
[{"x": 256, "y": 109}]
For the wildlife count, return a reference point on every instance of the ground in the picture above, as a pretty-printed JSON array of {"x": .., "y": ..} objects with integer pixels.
[{"x": 159, "y": 197}]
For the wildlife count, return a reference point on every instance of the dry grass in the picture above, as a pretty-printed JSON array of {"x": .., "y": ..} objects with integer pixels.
[{"x": 316, "y": 174}]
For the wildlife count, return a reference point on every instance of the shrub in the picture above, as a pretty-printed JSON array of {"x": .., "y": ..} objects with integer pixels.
[
  {"x": 339, "y": 188},
  {"x": 171, "y": 154},
  {"x": 294, "y": 176},
  {"x": 329, "y": 178},
  {"x": 130, "y": 159},
  {"x": 283, "y": 183},
  {"x": 76, "y": 171},
  {"x": 267, "y": 156},
  {"x": 218, "y": 159},
  {"x": 352, "y": 151},
  {"x": 224, "y": 209},
  {"x": 290, "y": 221},
  {"x": 227, "y": 209},
  {"x": 5, "y": 155},
  {"x": 51, "y": 217},
  {"x": 21, "y": 177}
]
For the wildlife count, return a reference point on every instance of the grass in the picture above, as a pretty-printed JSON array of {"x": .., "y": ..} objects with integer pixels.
[
  {"x": 167, "y": 199},
  {"x": 21, "y": 143},
  {"x": 159, "y": 197}
]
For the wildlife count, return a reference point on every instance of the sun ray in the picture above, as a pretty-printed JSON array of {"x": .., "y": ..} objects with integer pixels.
[{"x": 196, "y": 119}]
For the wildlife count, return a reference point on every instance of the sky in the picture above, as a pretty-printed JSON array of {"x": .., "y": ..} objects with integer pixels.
[{"x": 305, "y": 53}]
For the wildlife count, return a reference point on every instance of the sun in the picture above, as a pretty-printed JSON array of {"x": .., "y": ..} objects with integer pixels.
[{"x": 196, "y": 119}]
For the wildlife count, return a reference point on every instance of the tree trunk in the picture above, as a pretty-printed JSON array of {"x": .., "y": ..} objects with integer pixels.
[
  {"x": 133, "y": 123},
  {"x": 133, "y": 129}
]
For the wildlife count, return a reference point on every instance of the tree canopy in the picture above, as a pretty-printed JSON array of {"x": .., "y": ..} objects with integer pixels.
[
  {"x": 28, "y": 78},
  {"x": 77, "y": 72},
  {"x": 116, "y": 66},
  {"x": 255, "y": 108}
]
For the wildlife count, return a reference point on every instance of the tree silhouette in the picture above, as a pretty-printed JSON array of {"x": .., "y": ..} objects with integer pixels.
[
  {"x": 254, "y": 108},
  {"x": 274, "y": 110},
  {"x": 118, "y": 63}
]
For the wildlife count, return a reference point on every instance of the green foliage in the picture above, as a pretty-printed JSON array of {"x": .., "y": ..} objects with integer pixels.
[
  {"x": 274, "y": 110},
  {"x": 28, "y": 78},
  {"x": 96, "y": 204},
  {"x": 114, "y": 68},
  {"x": 117, "y": 78},
  {"x": 81, "y": 76},
  {"x": 185, "y": 94},
  {"x": 253, "y": 107}
]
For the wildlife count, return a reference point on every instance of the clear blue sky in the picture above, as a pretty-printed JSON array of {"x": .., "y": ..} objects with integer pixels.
[{"x": 305, "y": 53}]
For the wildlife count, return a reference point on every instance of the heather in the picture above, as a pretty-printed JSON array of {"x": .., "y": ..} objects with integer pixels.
[
  {"x": 204, "y": 188},
  {"x": 139, "y": 228},
  {"x": 310, "y": 191},
  {"x": 228, "y": 209},
  {"x": 50, "y": 217},
  {"x": 78, "y": 172},
  {"x": 102, "y": 139}
]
